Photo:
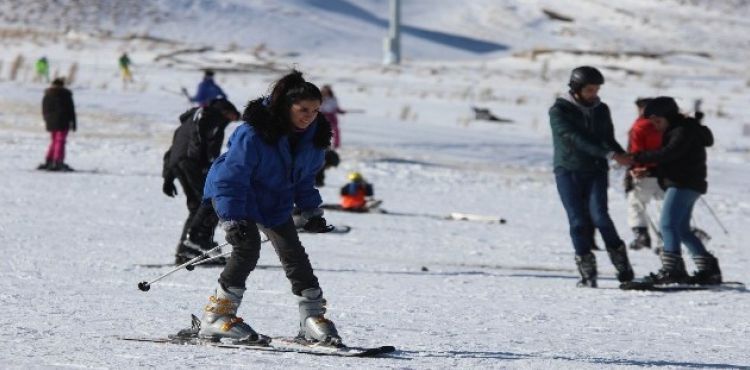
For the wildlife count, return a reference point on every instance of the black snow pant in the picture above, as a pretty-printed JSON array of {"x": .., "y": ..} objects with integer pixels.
[
  {"x": 202, "y": 219},
  {"x": 292, "y": 254}
]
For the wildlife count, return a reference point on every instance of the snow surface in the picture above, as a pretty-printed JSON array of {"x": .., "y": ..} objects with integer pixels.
[{"x": 447, "y": 294}]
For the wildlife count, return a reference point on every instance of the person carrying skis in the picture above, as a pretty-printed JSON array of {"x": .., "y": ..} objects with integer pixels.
[
  {"x": 356, "y": 195},
  {"x": 59, "y": 114},
  {"x": 643, "y": 136},
  {"x": 681, "y": 170},
  {"x": 207, "y": 90},
  {"x": 269, "y": 168},
  {"x": 583, "y": 141},
  {"x": 195, "y": 144},
  {"x": 330, "y": 109}
]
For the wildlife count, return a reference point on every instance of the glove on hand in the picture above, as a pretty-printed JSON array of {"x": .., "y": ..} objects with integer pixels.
[
  {"x": 236, "y": 231},
  {"x": 168, "y": 188},
  {"x": 316, "y": 224}
]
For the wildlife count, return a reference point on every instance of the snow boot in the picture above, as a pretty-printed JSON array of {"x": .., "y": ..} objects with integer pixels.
[
  {"x": 587, "y": 268},
  {"x": 708, "y": 272},
  {"x": 314, "y": 327},
  {"x": 671, "y": 272},
  {"x": 59, "y": 167},
  {"x": 220, "y": 319},
  {"x": 642, "y": 239},
  {"x": 44, "y": 166},
  {"x": 619, "y": 258}
]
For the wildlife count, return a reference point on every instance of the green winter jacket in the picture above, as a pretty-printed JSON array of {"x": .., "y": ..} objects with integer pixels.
[{"x": 582, "y": 136}]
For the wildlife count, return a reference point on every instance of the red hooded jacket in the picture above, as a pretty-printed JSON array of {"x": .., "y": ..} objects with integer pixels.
[{"x": 643, "y": 137}]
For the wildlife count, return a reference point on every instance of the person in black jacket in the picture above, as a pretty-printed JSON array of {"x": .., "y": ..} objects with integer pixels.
[
  {"x": 681, "y": 171},
  {"x": 59, "y": 117},
  {"x": 195, "y": 145}
]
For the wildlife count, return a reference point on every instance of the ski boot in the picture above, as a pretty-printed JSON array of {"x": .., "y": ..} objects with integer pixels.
[
  {"x": 59, "y": 167},
  {"x": 314, "y": 327},
  {"x": 220, "y": 319},
  {"x": 587, "y": 268},
  {"x": 44, "y": 166},
  {"x": 708, "y": 272},
  {"x": 642, "y": 239},
  {"x": 619, "y": 258},
  {"x": 671, "y": 272}
]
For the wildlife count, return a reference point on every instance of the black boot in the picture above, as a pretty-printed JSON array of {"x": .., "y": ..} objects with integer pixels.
[
  {"x": 642, "y": 239},
  {"x": 587, "y": 268},
  {"x": 708, "y": 272},
  {"x": 619, "y": 258},
  {"x": 671, "y": 272},
  {"x": 44, "y": 166},
  {"x": 193, "y": 247}
]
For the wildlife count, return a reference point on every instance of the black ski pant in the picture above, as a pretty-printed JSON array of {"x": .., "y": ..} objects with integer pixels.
[
  {"x": 292, "y": 254},
  {"x": 201, "y": 220}
]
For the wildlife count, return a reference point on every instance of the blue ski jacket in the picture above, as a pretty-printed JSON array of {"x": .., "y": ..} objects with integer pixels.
[{"x": 261, "y": 176}]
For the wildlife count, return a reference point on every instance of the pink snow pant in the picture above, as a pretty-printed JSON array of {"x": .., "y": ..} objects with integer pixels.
[{"x": 56, "y": 151}]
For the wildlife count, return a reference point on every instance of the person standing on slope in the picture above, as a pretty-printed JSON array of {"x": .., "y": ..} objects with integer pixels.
[
  {"x": 207, "y": 90},
  {"x": 195, "y": 145},
  {"x": 269, "y": 168},
  {"x": 583, "y": 140},
  {"x": 330, "y": 109},
  {"x": 682, "y": 171},
  {"x": 643, "y": 136},
  {"x": 59, "y": 114}
]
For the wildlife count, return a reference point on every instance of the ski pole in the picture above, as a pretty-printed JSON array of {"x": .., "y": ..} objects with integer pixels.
[
  {"x": 207, "y": 260},
  {"x": 145, "y": 286},
  {"x": 718, "y": 221}
]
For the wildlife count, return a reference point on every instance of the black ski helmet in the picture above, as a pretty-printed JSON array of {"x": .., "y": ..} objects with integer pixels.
[{"x": 583, "y": 76}]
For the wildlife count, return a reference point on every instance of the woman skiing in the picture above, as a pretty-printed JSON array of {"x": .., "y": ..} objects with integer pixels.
[
  {"x": 681, "y": 170},
  {"x": 270, "y": 167}
]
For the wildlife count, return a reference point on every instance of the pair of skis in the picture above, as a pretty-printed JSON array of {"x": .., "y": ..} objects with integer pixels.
[
  {"x": 278, "y": 344},
  {"x": 651, "y": 287}
]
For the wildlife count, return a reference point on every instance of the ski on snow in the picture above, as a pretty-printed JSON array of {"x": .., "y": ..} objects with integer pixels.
[
  {"x": 278, "y": 344},
  {"x": 647, "y": 286}
]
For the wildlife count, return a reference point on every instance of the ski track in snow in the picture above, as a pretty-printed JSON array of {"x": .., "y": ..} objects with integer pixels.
[{"x": 447, "y": 294}]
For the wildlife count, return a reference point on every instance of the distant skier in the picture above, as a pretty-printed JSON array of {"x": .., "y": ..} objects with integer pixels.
[
  {"x": 356, "y": 196},
  {"x": 124, "y": 62},
  {"x": 270, "y": 167},
  {"x": 195, "y": 144},
  {"x": 207, "y": 90},
  {"x": 643, "y": 136},
  {"x": 59, "y": 114},
  {"x": 330, "y": 109},
  {"x": 681, "y": 169},
  {"x": 42, "y": 70},
  {"x": 583, "y": 140}
]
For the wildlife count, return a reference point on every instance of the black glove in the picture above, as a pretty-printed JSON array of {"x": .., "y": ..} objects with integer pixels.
[
  {"x": 236, "y": 232},
  {"x": 316, "y": 224},
  {"x": 168, "y": 188}
]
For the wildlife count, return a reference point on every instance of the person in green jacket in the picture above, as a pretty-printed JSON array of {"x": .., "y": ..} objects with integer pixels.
[
  {"x": 42, "y": 70},
  {"x": 584, "y": 143}
]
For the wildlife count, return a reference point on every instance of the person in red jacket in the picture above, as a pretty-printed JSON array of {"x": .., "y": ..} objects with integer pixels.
[
  {"x": 356, "y": 194},
  {"x": 643, "y": 136}
]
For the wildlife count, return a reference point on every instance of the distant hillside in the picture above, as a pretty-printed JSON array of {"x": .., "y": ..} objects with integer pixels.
[{"x": 432, "y": 29}]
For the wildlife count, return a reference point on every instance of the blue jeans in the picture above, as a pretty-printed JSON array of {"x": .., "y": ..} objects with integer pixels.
[
  {"x": 675, "y": 222},
  {"x": 584, "y": 196}
]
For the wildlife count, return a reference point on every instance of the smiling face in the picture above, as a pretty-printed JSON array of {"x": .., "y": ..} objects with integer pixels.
[
  {"x": 660, "y": 123},
  {"x": 303, "y": 113}
]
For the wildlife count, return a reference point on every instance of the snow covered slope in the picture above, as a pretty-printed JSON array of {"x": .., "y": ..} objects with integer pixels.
[{"x": 447, "y": 294}]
